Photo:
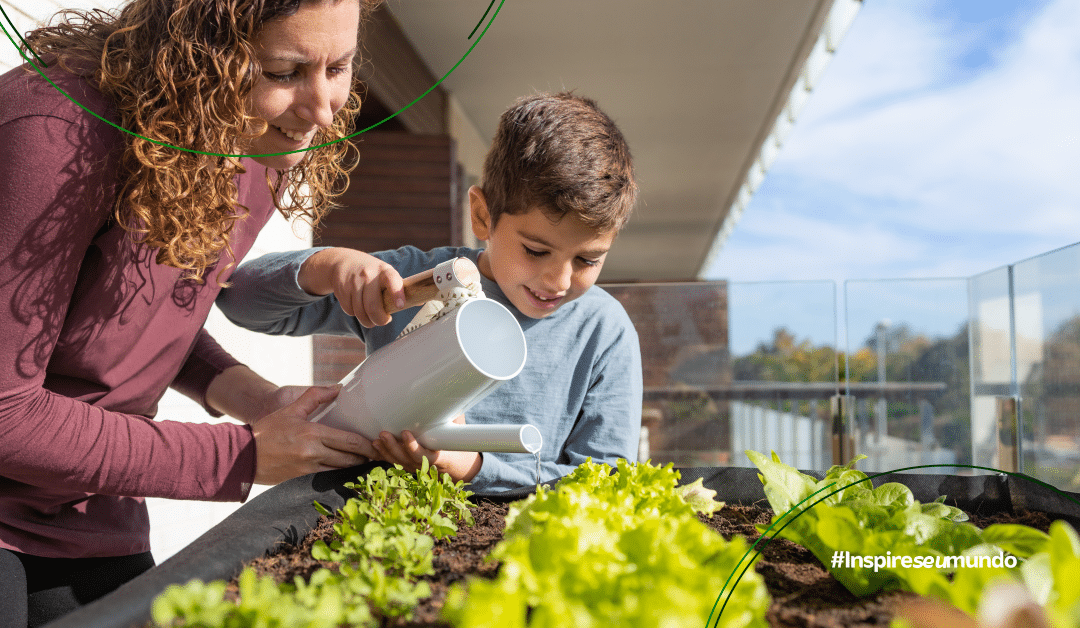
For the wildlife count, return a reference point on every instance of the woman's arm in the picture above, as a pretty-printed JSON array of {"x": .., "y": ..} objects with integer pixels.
[
  {"x": 56, "y": 191},
  {"x": 287, "y": 444},
  {"x": 243, "y": 394}
]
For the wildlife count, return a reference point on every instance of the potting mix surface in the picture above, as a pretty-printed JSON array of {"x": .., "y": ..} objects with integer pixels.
[{"x": 804, "y": 594}]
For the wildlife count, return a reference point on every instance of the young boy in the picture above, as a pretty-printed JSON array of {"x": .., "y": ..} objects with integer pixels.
[{"x": 557, "y": 186}]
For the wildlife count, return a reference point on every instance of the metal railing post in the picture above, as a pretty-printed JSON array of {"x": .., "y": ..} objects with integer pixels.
[
  {"x": 1008, "y": 428},
  {"x": 843, "y": 443}
]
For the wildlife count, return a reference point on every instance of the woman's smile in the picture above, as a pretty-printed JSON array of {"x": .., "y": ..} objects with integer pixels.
[{"x": 296, "y": 136}]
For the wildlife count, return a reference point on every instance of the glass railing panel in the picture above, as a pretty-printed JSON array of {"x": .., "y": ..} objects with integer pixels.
[
  {"x": 907, "y": 373},
  {"x": 784, "y": 370},
  {"x": 683, "y": 331},
  {"x": 1046, "y": 298},
  {"x": 732, "y": 366},
  {"x": 992, "y": 366}
]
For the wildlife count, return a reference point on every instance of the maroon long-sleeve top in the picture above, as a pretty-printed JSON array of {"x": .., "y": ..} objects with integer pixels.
[{"x": 92, "y": 332}]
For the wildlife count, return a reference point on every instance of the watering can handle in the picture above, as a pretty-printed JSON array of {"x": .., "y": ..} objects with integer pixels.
[{"x": 424, "y": 286}]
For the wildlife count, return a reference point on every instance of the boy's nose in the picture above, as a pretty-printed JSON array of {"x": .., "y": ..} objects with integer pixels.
[{"x": 558, "y": 277}]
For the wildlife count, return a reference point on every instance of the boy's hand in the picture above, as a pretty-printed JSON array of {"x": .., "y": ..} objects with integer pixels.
[
  {"x": 460, "y": 465},
  {"x": 356, "y": 279}
]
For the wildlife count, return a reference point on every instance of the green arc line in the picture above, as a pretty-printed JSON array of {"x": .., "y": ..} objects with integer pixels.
[
  {"x": 16, "y": 31},
  {"x": 784, "y": 517},
  {"x": 302, "y": 150}
]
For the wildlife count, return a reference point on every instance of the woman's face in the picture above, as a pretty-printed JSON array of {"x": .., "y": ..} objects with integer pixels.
[{"x": 307, "y": 73}]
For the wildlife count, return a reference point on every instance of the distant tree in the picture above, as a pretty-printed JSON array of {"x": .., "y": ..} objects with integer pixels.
[
  {"x": 909, "y": 357},
  {"x": 786, "y": 359}
]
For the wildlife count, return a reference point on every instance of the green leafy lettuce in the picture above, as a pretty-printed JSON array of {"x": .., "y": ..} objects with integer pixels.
[
  {"x": 385, "y": 538},
  {"x": 844, "y": 513},
  {"x": 611, "y": 549}
]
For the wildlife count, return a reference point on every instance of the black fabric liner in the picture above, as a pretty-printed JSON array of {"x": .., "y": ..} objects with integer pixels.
[{"x": 284, "y": 514}]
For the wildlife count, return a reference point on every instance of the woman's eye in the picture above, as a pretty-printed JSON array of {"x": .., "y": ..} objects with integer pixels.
[
  {"x": 280, "y": 78},
  {"x": 533, "y": 253}
]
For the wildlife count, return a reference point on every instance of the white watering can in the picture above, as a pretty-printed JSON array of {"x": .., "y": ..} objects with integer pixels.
[{"x": 425, "y": 378}]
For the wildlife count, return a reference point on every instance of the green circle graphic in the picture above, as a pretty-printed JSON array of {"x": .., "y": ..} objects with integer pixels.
[
  {"x": 710, "y": 622},
  {"x": 34, "y": 65}
]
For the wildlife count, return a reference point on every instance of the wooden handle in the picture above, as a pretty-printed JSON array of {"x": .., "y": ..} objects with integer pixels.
[{"x": 421, "y": 287}]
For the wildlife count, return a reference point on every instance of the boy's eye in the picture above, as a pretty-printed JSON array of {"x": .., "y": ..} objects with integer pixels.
[
  {"x": 534, "y": 253},
  {"x": 589, "y": 262}
]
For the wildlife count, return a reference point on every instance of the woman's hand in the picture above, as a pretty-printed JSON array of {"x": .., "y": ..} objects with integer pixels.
[
  {"x": 460, "y": 465},
  {"x": 244, "y": 395},
  {"x": 288, "y": 445},
  {"x": 280, "y": 398},
  {"x": 356, "y": 279}
]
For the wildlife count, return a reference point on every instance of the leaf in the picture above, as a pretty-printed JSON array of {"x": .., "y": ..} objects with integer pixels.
[
  {"x": 319, "y": 551},
  {"x": 784, "y": 486},
  {"x": 1064, "y": 554},
  {"x": 893, "y": 494},
  {"x": 1038, "y": 575},
  {"x": 1018, "y": 540},
  {"x": 699, "y": 498}
]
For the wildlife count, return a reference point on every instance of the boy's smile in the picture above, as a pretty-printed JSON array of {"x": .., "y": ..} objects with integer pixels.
[{"x": 540, "y": 265}]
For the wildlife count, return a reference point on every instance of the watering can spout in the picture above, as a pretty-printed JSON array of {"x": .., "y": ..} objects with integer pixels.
[{"x": 501, "y": 438}]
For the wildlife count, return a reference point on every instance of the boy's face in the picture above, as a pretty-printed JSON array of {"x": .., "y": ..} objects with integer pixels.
[{"x": 539, "y": 265}]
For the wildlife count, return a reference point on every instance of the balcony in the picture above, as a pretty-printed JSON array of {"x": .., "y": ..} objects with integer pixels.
[{"x": 982, "y": 371}]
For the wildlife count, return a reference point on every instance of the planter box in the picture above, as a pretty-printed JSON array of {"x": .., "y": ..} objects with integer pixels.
[{"x": 284, "y": 515}]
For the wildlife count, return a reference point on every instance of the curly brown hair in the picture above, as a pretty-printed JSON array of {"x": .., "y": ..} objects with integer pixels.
[{"x": 180, "y": 73}]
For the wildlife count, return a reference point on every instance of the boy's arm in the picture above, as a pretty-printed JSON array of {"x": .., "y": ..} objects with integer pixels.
[
  {"x": 283, "y": 293},
  {"x": 265, "y": 296},
  {"x": 356, "y": 279},
  {"x": 608, "y": 425}
]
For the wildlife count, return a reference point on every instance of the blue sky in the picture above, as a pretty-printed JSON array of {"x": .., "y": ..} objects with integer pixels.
[{"x": 943, "y": 141}]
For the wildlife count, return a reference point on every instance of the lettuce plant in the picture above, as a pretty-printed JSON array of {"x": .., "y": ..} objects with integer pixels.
[
  {"x": 1052, "y": 574},
  {"x": 844, "y": 512},
  {"x": 850, "y": 515},
  {"x": 610, "y": 549},
  {"x": 1048, "y": 580},
  {"x": 385, "y": 537}
]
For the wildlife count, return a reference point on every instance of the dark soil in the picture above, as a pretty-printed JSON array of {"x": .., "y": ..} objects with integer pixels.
[
  {"x": 454, "y": 559},
  {"x": 804, "y": 594}
]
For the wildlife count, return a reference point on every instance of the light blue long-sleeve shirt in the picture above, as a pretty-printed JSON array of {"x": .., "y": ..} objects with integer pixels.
[{"x": 580, "y": 386}]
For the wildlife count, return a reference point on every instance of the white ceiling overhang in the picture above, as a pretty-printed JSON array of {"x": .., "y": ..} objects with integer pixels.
[{"x": 697, "y": 87}]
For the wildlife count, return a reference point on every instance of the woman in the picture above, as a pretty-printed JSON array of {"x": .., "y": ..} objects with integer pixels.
[{"x": 112, "y": 252}]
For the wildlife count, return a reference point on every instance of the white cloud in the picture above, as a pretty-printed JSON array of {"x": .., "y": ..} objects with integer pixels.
[{"x": 905, "y": 163}]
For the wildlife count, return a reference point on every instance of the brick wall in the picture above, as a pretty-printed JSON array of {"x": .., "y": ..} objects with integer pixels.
[
  {"x": 683, "y": 331},
  {"x": 404, "y": 191}
]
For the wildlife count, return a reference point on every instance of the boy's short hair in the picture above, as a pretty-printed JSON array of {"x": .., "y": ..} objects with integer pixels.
[{"x": 561, "y": 153}]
